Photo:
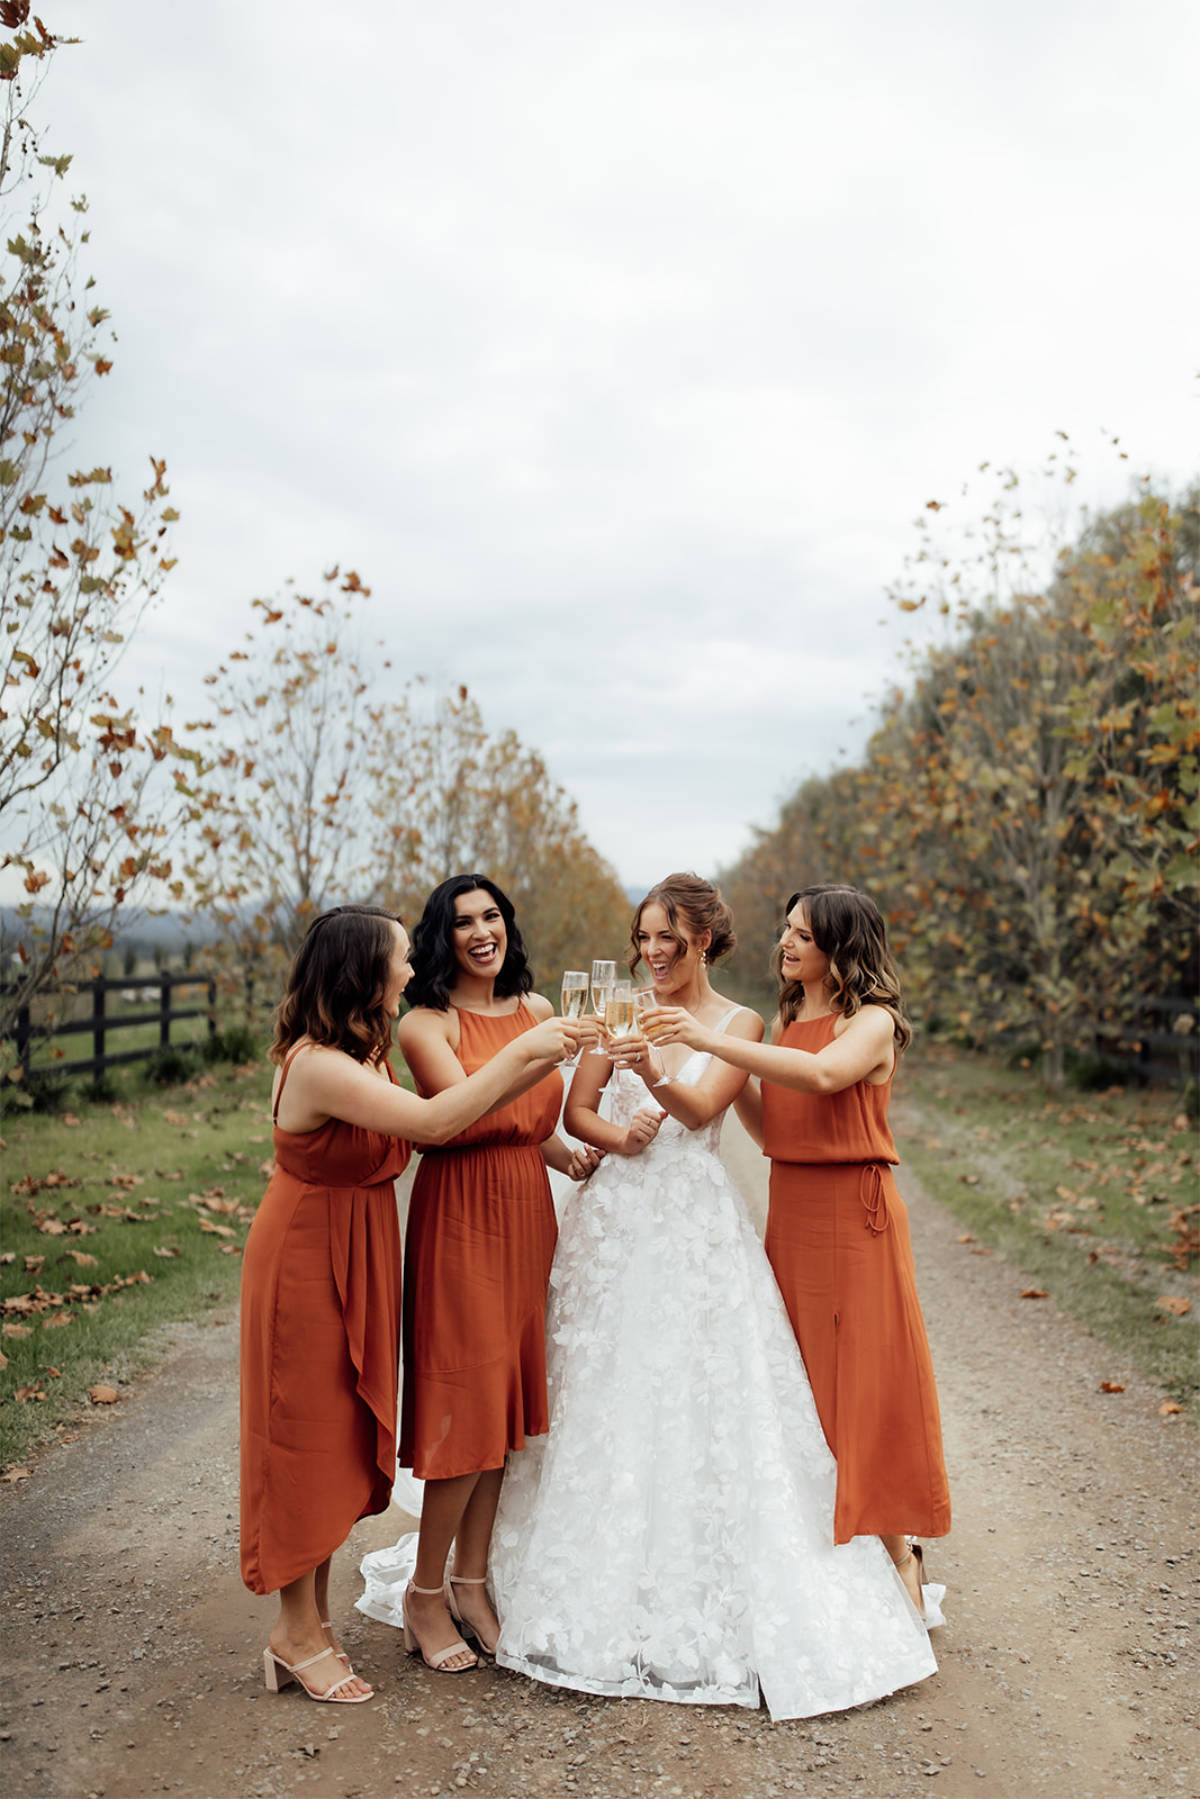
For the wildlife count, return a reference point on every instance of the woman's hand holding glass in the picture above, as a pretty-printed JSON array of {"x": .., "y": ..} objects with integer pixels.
[{"x": 672, "y": 1024}]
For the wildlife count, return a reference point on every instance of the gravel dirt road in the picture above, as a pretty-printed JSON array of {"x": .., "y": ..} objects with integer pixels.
[{"x": 133, "y": 1653}]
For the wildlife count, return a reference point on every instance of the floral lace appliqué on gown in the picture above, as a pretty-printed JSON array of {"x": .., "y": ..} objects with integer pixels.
[{"x": 672, "y": 1536}]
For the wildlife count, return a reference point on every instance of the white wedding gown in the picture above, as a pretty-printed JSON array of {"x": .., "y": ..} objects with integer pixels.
[{"x": 672, "y": 1536}]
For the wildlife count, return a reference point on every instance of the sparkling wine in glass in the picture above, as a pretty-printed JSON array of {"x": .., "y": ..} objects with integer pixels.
[
  {"x": 574, "y": 999},
  {"x": 645, "y": 1001},
  {"x": 618, "y": 1018},
  {"x": 604, "y": 977}
]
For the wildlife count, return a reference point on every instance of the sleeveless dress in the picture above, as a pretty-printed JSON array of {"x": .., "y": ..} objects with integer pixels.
[
  {"x": 837, "y": 1238},
  {"x": 320, "y": 1336},
  {"x": 480, "y": 1240},
  {"x": 672, "y": 1537}
]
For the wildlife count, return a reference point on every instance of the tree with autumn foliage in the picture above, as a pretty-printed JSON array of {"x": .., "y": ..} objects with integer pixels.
[
  {"x": 324, "y": 788},
  {"x": 451, "y": 797},
  {"x": 1027, "y": 813},
  {"x": 78, "y": 568},
  {"x": 278, "y": 830}
]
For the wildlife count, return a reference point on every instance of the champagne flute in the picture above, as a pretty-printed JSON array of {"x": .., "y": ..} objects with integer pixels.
[
  {"x": 618, "y": 1018},
  {"x": 574, "y": 998},
  {"x": 645, "y": 1001},
  {"x": 604, "y": 975}
]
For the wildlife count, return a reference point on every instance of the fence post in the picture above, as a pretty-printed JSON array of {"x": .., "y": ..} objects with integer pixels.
[
  {"x": 98, "y": 987},
  {"x": 164, "y": 1011},
  {"x": 23, "y": 1039},
  {"x": 212, "y": 1007}
]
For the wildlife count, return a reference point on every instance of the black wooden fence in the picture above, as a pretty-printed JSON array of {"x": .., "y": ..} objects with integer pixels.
[{"x": 103, "y": 1020}]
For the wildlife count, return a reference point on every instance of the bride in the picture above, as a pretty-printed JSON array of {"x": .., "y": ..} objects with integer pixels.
[{"x": 672, "y": 1536}]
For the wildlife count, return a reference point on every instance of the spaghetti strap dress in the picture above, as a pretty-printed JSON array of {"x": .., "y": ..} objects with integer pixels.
[
  {"x": 320, "y": 1337},
  {"x": 838, "y": 1240},
  {"x": 480, "y": 1242}
]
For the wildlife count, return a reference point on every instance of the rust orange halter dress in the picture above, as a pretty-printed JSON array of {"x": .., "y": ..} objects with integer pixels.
[
  {"x": 320, "y": 1347},
  {"x": 837, "y": 1238},
  {"x": 480, "y": 1241}
]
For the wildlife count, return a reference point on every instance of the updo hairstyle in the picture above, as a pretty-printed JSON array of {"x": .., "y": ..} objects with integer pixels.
[{"x": 692, "y": 906}]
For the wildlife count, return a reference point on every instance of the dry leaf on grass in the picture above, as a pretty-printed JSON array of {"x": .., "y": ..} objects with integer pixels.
[
  {"x": 969, "y": 1180},
  {"x": 1171, "y": 1302},
  {"x": 1034, "y": 1293},
  {"x": 103, "y": 1395},
  {"x": 166, "y": 1251},
  {"x": 59, "y": 1322},
  {"x": 23, "y": 1394},
  {"x": 1111, "y": 1386},
  {"x": 176, "y": 1117},
  {"x": 15, "y": 1330},
  {"x": 81, "y": 1258},
  {"x": 69, "y": 1119},
  {"x": 965, "y": 1238},
  {"x": 12, "y": 1474},
  {"x": 1168, "y": 1409}
]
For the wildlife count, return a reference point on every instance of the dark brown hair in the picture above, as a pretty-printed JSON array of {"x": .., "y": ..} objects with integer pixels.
[
  {"x": 435, "y": 967},
  {"x": 847, "y": 926},
  {"x": 698, "y": 904},
  {"x": 336, "y": 984}
]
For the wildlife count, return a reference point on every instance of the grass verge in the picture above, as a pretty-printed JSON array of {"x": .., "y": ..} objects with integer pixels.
[
  {"x": 118, "y": 1218},
  {"x": 1092, "y": 1196}
]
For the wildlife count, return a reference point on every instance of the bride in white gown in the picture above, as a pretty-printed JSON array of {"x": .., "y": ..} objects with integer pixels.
[{"x": 672, "y": 1536}]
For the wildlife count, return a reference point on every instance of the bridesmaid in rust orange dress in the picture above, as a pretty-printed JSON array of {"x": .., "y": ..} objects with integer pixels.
[
  {"x": 321, "y": 1273},
  {"x": 481, "y": 1236},
  {"x": 837, "y": 1230}
]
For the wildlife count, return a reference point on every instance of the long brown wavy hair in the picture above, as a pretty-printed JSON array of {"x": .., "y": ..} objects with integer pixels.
[
  {"x": 698, "y": 903},
  {"x": 847, "y": 926},
  {"x": 336, "y": 984}
]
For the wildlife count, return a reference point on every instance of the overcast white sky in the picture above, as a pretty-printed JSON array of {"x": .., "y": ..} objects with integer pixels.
[{"x": 618, "y": 347}]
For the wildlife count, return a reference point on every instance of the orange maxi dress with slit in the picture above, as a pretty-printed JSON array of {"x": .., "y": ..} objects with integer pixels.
[
  {"x": 320, "y": 1347},
  {"x": 480, "y": 1241},
  {"x": 837, "y": 1238}
]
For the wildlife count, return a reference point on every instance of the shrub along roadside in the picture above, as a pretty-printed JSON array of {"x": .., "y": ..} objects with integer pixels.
[
  {"x": 1092, "y": 1197},
  {"x": 119, "y": 1218}
]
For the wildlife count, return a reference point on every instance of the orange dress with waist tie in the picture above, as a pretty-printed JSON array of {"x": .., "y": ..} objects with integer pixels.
[
  {"x": 319, "y": 1347},
  {"x": 480, "y": 1242},
  {"x": 837, "y": 1238}
]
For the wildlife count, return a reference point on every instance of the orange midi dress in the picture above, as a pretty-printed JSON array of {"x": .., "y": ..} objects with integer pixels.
[
  {"x": 320, "y": 1347},
  {"x": 477, "y": 1255},
  {"x": 838, "y": 1241}
]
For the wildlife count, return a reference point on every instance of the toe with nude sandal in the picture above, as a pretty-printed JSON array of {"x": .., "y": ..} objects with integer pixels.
[
  {"x": 437, "y": 1659},
  {"x": 278, "y": 1674}
]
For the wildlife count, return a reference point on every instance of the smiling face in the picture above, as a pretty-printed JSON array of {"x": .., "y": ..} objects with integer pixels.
[
  {"x": 479, "y": 939},
  {"x": 672, "y": 958},
  {"x": 799, "y": 958},
  {"x": 399, "y": 971}
]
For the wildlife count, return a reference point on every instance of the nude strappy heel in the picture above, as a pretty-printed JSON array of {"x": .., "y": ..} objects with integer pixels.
[
  {"x": 437, "y": 1661},
  {"x": 469, "y": 1580},
  {"x": 917, "y": 1554},
  {"x": 273, "y": 1665},
  {"x": 340, "y": 1653}
]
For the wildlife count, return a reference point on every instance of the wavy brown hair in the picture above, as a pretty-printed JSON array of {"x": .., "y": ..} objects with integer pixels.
[
  {"x": 336, "y": 984},
  {"x": 700, "y": 907},
  {"x": 847, "y": 926}
]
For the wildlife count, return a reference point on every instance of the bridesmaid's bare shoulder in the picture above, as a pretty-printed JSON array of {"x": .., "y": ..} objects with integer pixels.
[{"x": 425, "y": 1024}]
